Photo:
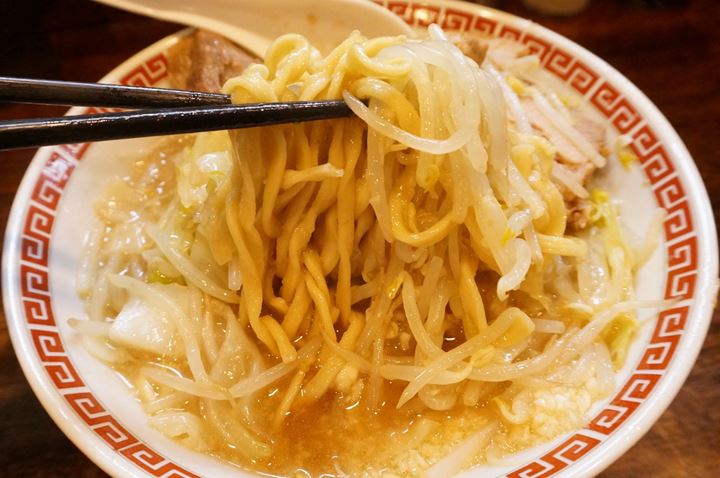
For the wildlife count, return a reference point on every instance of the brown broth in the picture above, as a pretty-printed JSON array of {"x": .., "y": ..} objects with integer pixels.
[{"x": 326, "y": 437}]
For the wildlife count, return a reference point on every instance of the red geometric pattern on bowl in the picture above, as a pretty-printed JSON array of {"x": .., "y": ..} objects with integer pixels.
[
  {"x": 658, "y": 168},
  {"x": 558, "y": 458},
  {"x": 37, "y": 305}
]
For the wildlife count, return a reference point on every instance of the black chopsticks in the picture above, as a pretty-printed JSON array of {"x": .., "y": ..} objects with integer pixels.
[
  {"x": 70, "y": 93},
  {"x": 17, "y": 134},
  {"x": 171, "y": 112}
]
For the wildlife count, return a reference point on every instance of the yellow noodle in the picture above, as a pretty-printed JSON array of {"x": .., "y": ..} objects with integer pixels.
[
  {"x": 292, "y": 390},
  {"x": 285, "y": 349}
]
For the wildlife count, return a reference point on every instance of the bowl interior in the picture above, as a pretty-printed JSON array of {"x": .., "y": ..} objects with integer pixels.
[{"x": 54, "y": 209}]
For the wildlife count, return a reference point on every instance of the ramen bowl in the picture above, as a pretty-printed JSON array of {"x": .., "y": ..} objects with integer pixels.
[{"x": 53, "y": 211}]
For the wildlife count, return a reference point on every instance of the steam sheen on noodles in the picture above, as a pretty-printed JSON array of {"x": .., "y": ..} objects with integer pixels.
[{"x": 412, "y": 263}]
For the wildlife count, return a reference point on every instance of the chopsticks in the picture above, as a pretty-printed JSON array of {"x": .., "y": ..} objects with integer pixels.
[
  {"x": 70, "y": 93},
  {"x": 186, "y": 112},
  {"x": 16, "y": 134}
]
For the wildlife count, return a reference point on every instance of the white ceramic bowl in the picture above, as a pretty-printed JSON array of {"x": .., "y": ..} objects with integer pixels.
[{"x": 53, "y": 209}]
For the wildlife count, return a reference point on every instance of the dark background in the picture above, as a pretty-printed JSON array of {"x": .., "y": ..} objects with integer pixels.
[{"x": 669, "y": 49}]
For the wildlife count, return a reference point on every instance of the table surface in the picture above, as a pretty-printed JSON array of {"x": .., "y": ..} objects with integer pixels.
[{"x": 671, "y": 53}]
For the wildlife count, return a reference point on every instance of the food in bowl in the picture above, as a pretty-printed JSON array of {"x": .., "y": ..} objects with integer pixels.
[{"x": 437, "y": 282}]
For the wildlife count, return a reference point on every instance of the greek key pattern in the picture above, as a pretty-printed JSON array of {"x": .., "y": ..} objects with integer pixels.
[
  {"x": 37, "y": 305},
  {"x": 55, "y": 361},
  {"x": 668, "y": 332},
  {"x": 102, "y": 423},
  {"x": 571, "y": 450},
  {"x": 615, "y": 107},
  {"x": 150, "y": 461},
  {"x": 682, "y": 264},
  {"x": 459, "y": 21},
  {"x": 680, "y": 237},
  {"x": 509, "y": 33},
  {"x": 34, "y": 282},
  {"x": 539, "y": 47},
  {"x": 416, "y": 15},
  {"x": 149, "y": 73},
  {"x": 36, "y": 237},
  {"x": 635, "y": 391},
  {"x": 571, "y": 70}
]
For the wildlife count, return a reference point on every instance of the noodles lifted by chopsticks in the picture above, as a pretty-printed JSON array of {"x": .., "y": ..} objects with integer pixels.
[{"x": 422, "y": 244}]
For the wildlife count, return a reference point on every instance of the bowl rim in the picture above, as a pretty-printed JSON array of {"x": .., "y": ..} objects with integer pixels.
[
  {"x": 64, "y": 417},
  {"x": 594, "y": 462}
]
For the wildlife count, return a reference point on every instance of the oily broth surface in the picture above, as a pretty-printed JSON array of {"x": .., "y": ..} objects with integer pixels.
[
  {"x": 326, "y": 438},
  {"x": 329, "y": 437}
]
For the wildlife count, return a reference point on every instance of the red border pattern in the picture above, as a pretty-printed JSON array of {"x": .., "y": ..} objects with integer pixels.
[
  {"x": 149, "y": 73},
  {"x": 35, "y": 295},
  {"x": 682, "y": 251},
  {"x": 558, "y": 458},
  {"x": 669, "y": 191}
]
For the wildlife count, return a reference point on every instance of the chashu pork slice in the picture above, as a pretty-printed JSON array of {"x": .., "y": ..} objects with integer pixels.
[{"x": 203, "y": 61}]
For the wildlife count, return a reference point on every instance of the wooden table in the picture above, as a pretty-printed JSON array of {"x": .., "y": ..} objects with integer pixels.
[{"x": 672, "y": 54}]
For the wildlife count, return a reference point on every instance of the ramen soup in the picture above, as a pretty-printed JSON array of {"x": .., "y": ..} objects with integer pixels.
[{"x": 436, "y": 282}]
